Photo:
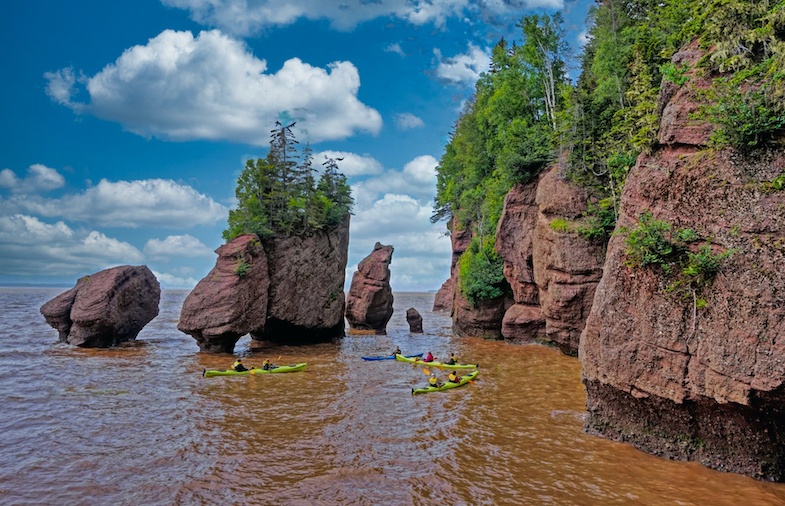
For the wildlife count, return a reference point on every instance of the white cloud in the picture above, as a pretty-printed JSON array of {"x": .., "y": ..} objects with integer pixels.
[
  {"x": 143, "y": 203},
  {"x": 173, "y": 281},
  {"x": 407, "y": 120},
  {"x": 416, "y": 180},
  {"x": 583, "y": 38},
  {"x": 463, "y": 68},
  {"x": 245, "y": 17},
  {"x": 352, "y": 164},
  {"x": 395, "y": 48},
  {"x": 40, "y": 178},
  {"x": 177, "y": 246},
  {"x": 30, "y": 245},
  {"x": 211, "y": 87}
]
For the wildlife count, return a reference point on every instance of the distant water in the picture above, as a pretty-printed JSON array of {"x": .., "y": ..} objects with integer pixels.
[{"x": 139, "y": 425}]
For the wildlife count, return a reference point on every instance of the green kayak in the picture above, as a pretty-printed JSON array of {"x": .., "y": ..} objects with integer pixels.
[
  {"x": 447, "y": 385},
  {"x": 207, "y": 373},
  {"x": 438, "y": 365}
]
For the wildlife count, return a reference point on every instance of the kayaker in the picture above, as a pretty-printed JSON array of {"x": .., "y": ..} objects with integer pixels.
[
  {"x": 453, "y": 360},
  {"x": 433, "y": 381},
  {"x": 428, "y": 358},
  {"x": 396, "y": 351},
  {"x": 454, "y": 378},
  {"x": 266, "y": 365},
  {"x": 238, "y": 365}
]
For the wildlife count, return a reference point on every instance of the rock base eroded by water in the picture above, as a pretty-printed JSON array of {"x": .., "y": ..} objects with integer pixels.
[{"x": 106, "y": 308}]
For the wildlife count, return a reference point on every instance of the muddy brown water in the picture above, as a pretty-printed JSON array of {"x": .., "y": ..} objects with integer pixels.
[{"x": 140, "y": 425}]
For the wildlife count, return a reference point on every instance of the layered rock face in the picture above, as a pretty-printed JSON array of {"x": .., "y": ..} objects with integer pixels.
[
  {"x": 552, "y": 274},
  {"x": 663, "y": 373},
  {"x": 567, "y": 267},
  {"x": 369, "y": 305},
  {"x": 442, "y": 301},
  {"x": 231, "y": 301},
  {"x": 307, "y": 301},
  {"x": 289, "y": 291},
  {"x": 523, "y": 321},
  {"x": 106, "y": 308}
]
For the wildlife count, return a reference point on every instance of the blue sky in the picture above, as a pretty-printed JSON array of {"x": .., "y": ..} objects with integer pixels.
[{"x": 125, "y": 123}]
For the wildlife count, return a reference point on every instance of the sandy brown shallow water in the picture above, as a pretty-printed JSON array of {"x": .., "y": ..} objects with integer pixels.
[{"x": 140, "y": 425}]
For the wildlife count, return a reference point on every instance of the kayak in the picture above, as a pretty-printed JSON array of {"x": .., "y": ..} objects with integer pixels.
[
  {"x": 207, "y": 373},
  {"x": 391, "y": 357},
  {"x": 438, "y": 365},
  {"x": 447, "y": 384}
]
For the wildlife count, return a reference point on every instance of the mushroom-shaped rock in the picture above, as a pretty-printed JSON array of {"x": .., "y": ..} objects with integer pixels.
[
  {"x": 106, "y": 308},
  {"x": 369, "y": 305},
  {"x": 414, "y": 320},
  {"x": 231, "y": 301}
]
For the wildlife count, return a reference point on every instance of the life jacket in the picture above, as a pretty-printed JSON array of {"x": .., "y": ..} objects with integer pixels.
[
  {"x": 432, "y": 380},
  {"x": 238, "y": 366},
  {"x": 428, "y": 358},
  {"x": 453, "y": 377}
]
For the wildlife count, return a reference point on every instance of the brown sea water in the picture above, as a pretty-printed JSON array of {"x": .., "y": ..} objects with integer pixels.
[{"x": 140, "y": 425}]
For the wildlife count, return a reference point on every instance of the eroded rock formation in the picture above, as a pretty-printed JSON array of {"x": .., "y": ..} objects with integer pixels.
[
  {"x": 414, "y": 319},
  {"x": 675, "y": 377},
  {"x": 288, "y": 291},
  {"x": 567, "y": 267},
  {"x": 231, "y": 301},
  {"x": 369, "y": 304},
  {"x": 442, "y": 301},
  {"x": 307, "y": 275},
  {"x": 523, "y": 321},
  {"x": 106, "y": 308}
]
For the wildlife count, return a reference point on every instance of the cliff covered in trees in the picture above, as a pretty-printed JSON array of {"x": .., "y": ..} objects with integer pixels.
[{"x": 664, "y": 193}]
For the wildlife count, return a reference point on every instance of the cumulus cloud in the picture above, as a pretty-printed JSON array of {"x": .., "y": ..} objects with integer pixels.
[
  {"x": 463, "y": 68},
  {"x": 245, "y": 17},
  {"x": 177, "y": 246},
  {"x": 180, "y": 87},
  {"x": 143, "y": 203},
  {"x": 352, "y": 164},
  {"x": 417, "y": 180},
  {"x": 29, "y": 244},
  {"x": 583, "y": 38},
  {"x": 40, "y": 178},
  {"x": 407, "y": 121}
]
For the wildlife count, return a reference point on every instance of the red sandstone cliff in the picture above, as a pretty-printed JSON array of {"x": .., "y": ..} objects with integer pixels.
[{"x": 674, "y": 379}]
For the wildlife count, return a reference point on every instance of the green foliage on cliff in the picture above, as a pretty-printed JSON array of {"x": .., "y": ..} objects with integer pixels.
[
  {"x": 481, "y": 272},
  {"x": 276, "y": 196},
  {"x": 654, "y": 243},
  {"x": 525, "y": 111},
  {"x": 506, "y": 134}
]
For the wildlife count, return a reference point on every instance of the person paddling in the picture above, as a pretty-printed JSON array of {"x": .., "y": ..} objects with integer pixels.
[
  {"x": 454, "y": 378},
  {"x": 428, "y": 358},
  {"x": 396, "y": 351},
  {"x": 267, "y": 366},
  {"x": 433, "y": 381},
  {"x": 453, "y": 360},
  {"x": 238, "y": 366}
]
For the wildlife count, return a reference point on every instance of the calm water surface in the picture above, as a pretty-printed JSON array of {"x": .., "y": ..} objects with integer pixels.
[{"x": 140, "y": 425}]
